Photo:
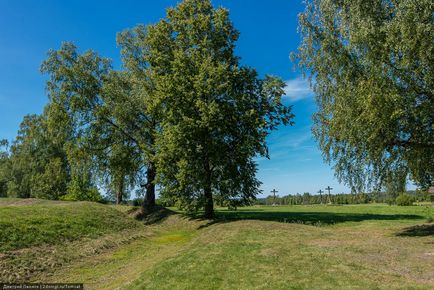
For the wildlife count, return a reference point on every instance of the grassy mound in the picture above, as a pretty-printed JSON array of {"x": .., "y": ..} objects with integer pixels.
[{"x": 28, "y": 223}]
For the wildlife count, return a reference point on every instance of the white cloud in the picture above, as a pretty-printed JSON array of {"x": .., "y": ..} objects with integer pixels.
[
  {"x": 290, "y": 138},
  {"x": 297, "y": 89}
]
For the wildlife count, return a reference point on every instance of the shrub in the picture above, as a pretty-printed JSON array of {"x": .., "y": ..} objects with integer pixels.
[
  {"x": 89, "y": 194},
  {"x": 390, "y": 201},
  {"x": 404, "y": 200},
  {"x": 81, "y": 189},
  {"x": 137, "y": 201}
]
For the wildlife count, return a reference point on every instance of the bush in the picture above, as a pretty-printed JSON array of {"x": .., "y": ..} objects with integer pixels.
[
  {"x": 390, "y": 201},
  {"x": 87, "y": 194},
  {"x": 137, "y": 201},
  {"x": 81, "y": 189},
  {"x": 404, "y": 200},
  {"x": 166, "y": 202}
]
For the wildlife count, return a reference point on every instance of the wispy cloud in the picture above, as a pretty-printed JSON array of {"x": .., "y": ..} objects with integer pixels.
[
  {"x": 290, "y": 138},
  {"x": 297, "y": 89}
]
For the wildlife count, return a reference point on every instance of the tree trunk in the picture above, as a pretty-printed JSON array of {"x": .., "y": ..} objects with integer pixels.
[
  {"x": 149, "y": 200},
  {"x": 209, "y": 204},
  {"x": 120, "y": 191}
]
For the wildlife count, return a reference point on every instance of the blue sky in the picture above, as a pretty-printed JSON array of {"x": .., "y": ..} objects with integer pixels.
[{"x": 28, "y": 29}]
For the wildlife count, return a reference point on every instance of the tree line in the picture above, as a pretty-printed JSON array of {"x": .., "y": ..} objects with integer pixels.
[{"x": 346, "y": 198}]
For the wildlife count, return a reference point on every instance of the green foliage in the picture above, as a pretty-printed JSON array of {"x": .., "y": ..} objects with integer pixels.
[
  {"x": 50, "y": 182},
  {"x": 216, "y": 113},
  {"x": 390, "y": 201},
  {"x": 119, "y": 170},
  {"x": 372, "y": 67},
  {"x": 137, "y": 201},
  {"x": 182, "y": 109},
  {"x": 109, "y": 115},
  {"x": 82, "y": 184},
  {"x": 79, "y": 191},
  {"x": 307, "y": 198},
  {"x": 395, "y": 183},
  {"x": 44, "y": 159},
  {"x": 37, "y": 162},
  {"x": 342, "y": 198},
  {"x": 4, "y": 163},
  {"x": 404, "y": 200}
]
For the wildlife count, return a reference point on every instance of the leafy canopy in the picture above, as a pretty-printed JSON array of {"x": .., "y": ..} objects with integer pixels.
[
  {"x": 371, "y": 63},
  {"x": 215, "y": 113}
]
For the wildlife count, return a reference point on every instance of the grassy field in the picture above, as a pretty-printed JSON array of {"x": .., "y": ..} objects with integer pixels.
[{"x": 284, "y": 247}]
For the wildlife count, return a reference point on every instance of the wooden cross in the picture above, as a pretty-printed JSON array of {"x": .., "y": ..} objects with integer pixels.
[
  {"x": 274, "y": 195},
  {"x": 320, "y": 196},
  {"x": 328, "y": 188}
]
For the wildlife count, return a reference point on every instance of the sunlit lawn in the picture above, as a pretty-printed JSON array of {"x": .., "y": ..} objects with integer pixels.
[{"x": 282, "y": 247}]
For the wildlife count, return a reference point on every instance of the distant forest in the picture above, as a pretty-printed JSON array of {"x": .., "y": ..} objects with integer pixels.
[{"x": 344, "y": 198}]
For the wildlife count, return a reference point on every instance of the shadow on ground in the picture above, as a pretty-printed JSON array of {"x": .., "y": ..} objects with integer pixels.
[
  {"x": 307, "y": 218},
  {"x": 417, "y": 231},
  {"x": 157, "y": 215}
]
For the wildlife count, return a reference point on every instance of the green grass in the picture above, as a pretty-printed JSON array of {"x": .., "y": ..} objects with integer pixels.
[
  {"x": 284, "y": 247},
  {"x": 27, "y": 223},
  {"x": 303, "y": 247},
  {"x": 329, "y": 214}
]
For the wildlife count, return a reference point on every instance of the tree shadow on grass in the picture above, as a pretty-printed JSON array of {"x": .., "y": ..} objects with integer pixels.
[
  {"x": 158, "y": 215},
  {"x": 417, "y": 231},
  {"x": 307, "y": 218}
]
